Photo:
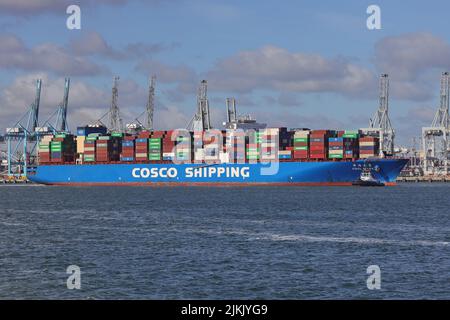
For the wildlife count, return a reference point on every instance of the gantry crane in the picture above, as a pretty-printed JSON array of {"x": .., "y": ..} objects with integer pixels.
[
  {"x": 201, "y": 120},
  {"x": 435, "y": 138},
  {"x": 380, "y": 124},
  {"x": 21, "y": 139}
]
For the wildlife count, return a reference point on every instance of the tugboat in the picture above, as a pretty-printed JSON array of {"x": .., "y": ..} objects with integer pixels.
[{"x": 367, "y": 180}]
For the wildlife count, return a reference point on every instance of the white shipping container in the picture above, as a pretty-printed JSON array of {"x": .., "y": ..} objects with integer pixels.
[
  {"x": 301, "y": 134},
  {"x": 365, "y": 156},
  {"x": 199, "y": 157},
  {"x": 141, "y": 155},
  {"x": 268, "y": 157},
  {"x": 268, "y": 145},
  {"x": 367, "y": 144},
  {"x": 168, "y": 154},
  {"x": 41, "y": 129},
  {"x": 224, "y": 157}
]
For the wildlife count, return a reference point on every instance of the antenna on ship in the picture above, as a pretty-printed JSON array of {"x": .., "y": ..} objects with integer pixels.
[
  {"x": 201, "y": 120},
  {"x": 115, "y": 122},
  {"x": 380, "y": 124},
  {"x": 435, "y": 138},
  {"x": 151, "y": 102}
]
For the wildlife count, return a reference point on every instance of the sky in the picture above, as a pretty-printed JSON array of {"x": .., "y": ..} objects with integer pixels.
[{"x": 288, "y": 63}]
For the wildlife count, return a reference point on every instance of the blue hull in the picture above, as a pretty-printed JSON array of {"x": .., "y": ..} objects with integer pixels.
[{"x": 277, "y": 173}]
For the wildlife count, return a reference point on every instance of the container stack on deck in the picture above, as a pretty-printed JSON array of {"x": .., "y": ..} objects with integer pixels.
[
  {"x": 301, "y": 144},
  {"x": 168, "y": 146},
  {"x": 44, "y": 149},
  {"x": 183, "y": 148},
  {"x": 235, "y": 146},
  {"x": 318, "y": 142},
  {"x": 336, "y": 148},
  {"x": 127, "y": 153},
  {"x": 212, "y": 142},
  {"x": 368, "y": 147},
  {"x": 351, "y": 144},
  {"x": 93, "y": 145},
  {"x": 90, "y": 147},
  {"x": 155, "y": 149},
  {"x": 107, "y": 149},
  {"x": 62, "y": 148},
  {"x": 141, "y": 151}
]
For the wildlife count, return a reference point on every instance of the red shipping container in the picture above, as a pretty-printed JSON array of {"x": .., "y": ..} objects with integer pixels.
[{"x": 323, "y": 132}]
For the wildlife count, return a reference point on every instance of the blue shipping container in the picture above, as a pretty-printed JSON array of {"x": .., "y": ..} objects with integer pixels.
[
  {"x": 84, "y": 131},
  {"x": 367, "y": 148}
]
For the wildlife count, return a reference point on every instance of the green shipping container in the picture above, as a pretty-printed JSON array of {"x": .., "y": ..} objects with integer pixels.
[
  {"x": 301, "y": 148},
  {"x": 301, "y": 140},
  {"x": 350, "y": 136},
  {"x": 335, "y": 156},
  {"x": 117, "y": 134}
]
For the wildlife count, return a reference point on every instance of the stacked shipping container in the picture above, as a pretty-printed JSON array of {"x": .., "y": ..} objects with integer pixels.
[
  {"x": 107, "y": 149},
  {"x": 62, "y": 148},
  {"x": 351, "y": 144},
  {"x": 301, "y": 144},
  {"x": 216, "y": 147},
  {"x": 318, "y": 142},
  {"x": 368, "y": 147},
  {"x": 128, "y": 150},
  {"x": 155, "y": 149},
  {"x": 44, "y": 149}
]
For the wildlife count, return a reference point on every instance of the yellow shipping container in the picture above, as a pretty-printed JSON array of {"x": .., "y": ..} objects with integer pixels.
[
  {"x": 366, "y": 144},
  {"x": 80, "y": 144}
]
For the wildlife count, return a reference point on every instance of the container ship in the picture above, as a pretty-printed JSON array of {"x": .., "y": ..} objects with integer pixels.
[{"x": 265, "y": 156}]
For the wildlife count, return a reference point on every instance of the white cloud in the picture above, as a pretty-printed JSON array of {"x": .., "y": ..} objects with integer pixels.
[
  {"x": 92, "y": 43},
  {"x": 87, "y": 103},
  {"x": 408, "y": 55},
  {"x": 414, "y": 62},
  {"x": 278, "y": 69},
  {"x": 44, "y": 57}
]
